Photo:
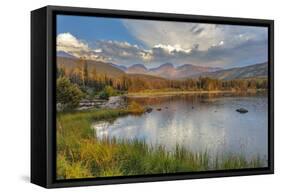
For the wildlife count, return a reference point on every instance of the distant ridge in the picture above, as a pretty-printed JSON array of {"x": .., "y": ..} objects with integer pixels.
[
  {"x": 121, "y": 67},
  {"x": 251, "y": 71},
  {"x": 137, "y": 68}
]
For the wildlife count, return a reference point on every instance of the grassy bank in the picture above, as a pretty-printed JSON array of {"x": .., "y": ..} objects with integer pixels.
[{"x": 80, "y": 154}]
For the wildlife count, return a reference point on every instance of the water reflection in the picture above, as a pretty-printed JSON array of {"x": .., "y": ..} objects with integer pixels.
[{"x": 197, "y": 122}]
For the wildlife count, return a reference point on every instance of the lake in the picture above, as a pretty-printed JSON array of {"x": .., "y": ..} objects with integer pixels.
[{"x": 198, "y": 122}]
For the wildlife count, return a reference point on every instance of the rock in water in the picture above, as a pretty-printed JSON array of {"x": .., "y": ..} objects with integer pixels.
[
  {"x": 242, "y": 110},
  {"x": 159, "y": 109},
  {"x": 148, "y": 109}
]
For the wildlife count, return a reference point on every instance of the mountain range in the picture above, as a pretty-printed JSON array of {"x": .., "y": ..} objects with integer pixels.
[{"x": 167, "y": 70}]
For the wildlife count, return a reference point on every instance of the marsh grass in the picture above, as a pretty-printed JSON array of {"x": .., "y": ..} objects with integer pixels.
[
  {"x": 80, "y": 154},
  {"x": 135, "y": 108}
]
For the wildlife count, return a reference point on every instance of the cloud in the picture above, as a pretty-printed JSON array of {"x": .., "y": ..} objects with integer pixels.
[
  {"x": 189, "y": 34},
  {"x": 68, "y": 43},
  {"x": 176, "y": 42},
  {"x": 204, "y": 44},
  {"x": 171, "y": 49},
  {"x": 123, "y": 52},
  {"x": 175, "y": 33},
  {"x": 127, "y": 54}
]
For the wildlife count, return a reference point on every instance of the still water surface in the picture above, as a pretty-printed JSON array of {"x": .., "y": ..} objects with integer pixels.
[{"x": 197, "y": 122}]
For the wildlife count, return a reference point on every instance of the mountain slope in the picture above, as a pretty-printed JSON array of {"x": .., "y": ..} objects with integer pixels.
[
  {"x": 187, "y": 70},
  {"x": 166, "y": 70},
  {"x": 121, "y": 67},
  {"x": 257, "y": 70},
  {"x": 101, "y": 67},
  {"x": 64, "y": 54}
]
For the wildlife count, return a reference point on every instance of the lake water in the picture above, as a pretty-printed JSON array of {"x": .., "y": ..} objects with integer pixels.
[{"x": 197, "y": 122}]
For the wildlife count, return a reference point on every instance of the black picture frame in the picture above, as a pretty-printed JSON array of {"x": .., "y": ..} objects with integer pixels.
[{"x": 43, "y": 106}]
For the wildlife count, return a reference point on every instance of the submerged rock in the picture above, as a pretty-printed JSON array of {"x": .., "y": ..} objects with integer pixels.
[
  {"x": 242, "y": 110},
  {"x": 159, "y": 109}
]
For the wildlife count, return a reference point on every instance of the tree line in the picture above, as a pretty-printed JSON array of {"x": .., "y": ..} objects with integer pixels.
[{"x": 79, "y": 81}]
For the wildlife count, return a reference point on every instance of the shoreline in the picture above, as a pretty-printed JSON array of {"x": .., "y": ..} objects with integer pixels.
[
  {"x": 116, "y": 102},
  {"x": 168, "y": 93}
]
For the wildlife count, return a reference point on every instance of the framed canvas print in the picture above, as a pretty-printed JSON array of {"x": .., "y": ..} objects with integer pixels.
[{"x": 125, "y": 96}]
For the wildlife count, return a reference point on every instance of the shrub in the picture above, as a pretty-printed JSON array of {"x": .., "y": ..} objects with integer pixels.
[
  {"x": 103, "y": 95},
  {"x": 68, "y": 94},
  {"x": 107, "y": 92}
]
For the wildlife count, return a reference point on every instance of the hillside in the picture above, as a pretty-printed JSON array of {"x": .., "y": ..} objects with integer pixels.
[
  {"x": 251, "y": 71},
  {"x": 140, "y": 82},
  {"x": 187, "y": 70},
  {"x": 149, "y": 78},
  {"x": 101, "y": 67}
]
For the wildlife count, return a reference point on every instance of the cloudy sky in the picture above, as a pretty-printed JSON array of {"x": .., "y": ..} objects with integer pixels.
[{"x": 152, "y": 43}]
